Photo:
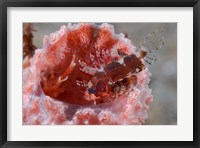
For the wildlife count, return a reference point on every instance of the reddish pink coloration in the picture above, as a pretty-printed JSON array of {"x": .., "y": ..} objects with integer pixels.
[{"x": 55, "y": 85}]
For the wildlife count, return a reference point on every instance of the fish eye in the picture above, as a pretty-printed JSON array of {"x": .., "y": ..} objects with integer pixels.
[{"x": 91, "y": 90}]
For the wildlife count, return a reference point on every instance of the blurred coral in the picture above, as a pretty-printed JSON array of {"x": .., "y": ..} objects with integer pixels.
[{"x": 28, "y": 47}]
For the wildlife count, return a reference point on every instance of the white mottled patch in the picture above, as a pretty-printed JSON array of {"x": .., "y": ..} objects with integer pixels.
[
  {"x": 87, "y": 69},
  {"x": 121, "y": 61}
]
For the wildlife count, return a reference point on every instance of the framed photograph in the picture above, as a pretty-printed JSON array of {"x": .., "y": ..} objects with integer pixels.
[{"x": 104, "y": 73}]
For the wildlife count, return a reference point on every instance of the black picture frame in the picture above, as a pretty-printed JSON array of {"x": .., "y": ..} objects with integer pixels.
[{"x": 99, "y": 3}]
